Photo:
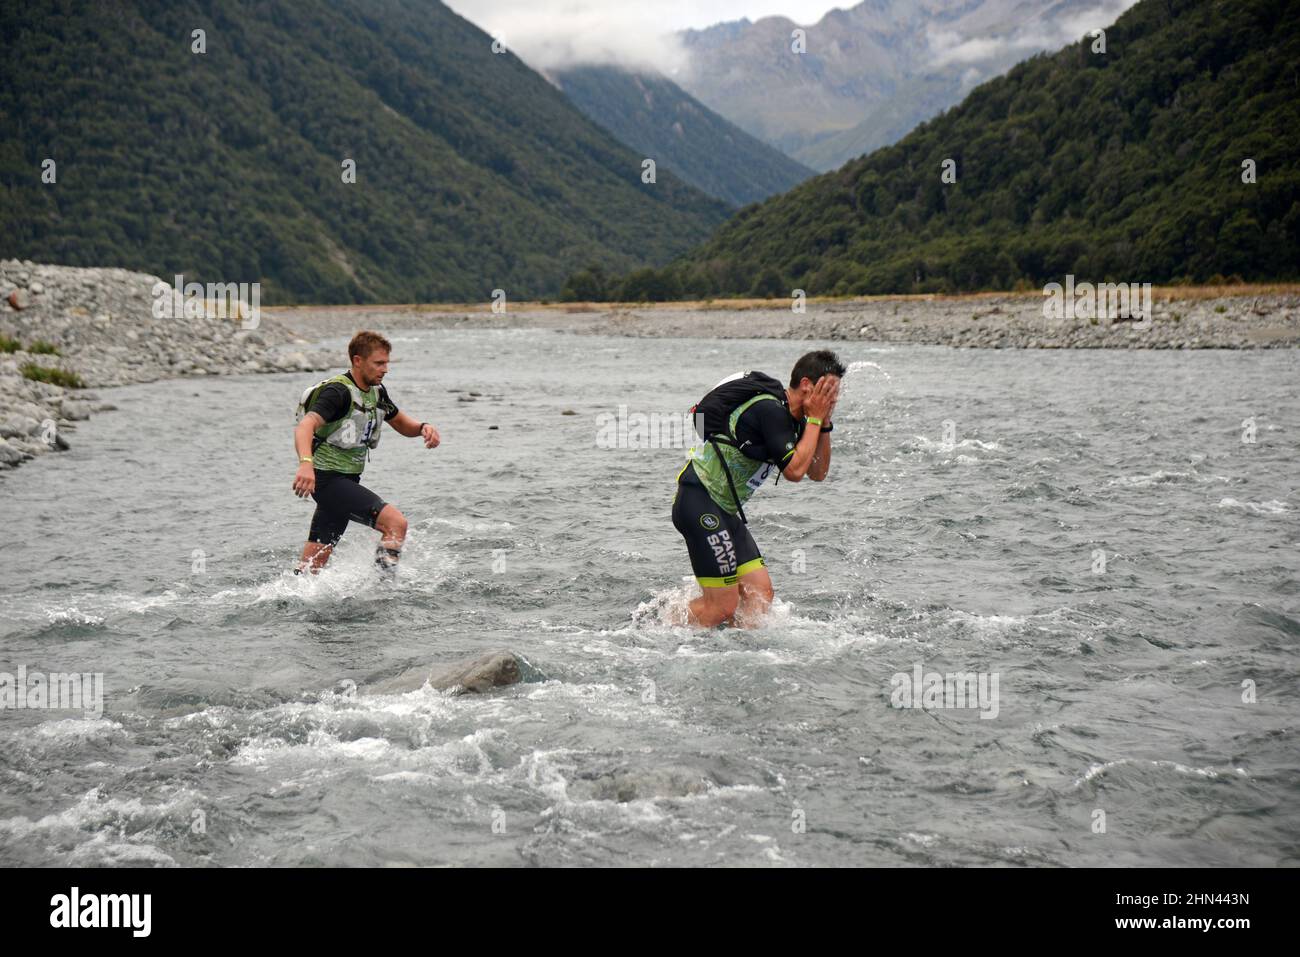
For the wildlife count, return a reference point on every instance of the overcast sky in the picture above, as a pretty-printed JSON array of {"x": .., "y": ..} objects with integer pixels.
[
  {"x": 663, "y": 14},
  {"x": 639, "y": 34},
  {"x": 635, "y": 33}
]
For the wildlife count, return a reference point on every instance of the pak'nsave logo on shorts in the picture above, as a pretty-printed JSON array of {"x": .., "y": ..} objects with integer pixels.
[{"x": 710, "y": 522}]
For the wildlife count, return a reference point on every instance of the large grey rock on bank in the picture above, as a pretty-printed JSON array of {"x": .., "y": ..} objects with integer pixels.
[
  {"x": 15, "y": 426},
  {"x": 9, "y": 456},
  {"x": 476, "y": 675}
]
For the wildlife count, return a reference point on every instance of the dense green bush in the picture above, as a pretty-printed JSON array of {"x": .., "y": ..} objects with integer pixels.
[
  {"x": 1120, "y": 167},
  {"x": 472, "y": 172}
]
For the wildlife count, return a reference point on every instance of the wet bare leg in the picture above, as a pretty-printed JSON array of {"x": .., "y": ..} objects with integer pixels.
[
  {"x": 755, "y": 598},
  {"x": 714, "y": 607},
  {"x": 314, "y": 556},
  {"x": 392, "y": 526}
]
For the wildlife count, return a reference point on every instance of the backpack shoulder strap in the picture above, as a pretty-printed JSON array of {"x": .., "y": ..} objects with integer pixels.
[{"x": 313, "y": 392}]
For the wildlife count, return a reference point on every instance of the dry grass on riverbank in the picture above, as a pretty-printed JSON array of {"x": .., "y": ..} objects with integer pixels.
[{"x": 1160, "y": 293}]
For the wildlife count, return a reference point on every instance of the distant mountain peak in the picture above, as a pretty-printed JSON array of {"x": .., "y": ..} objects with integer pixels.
[
  {"x": 654, "y": 116},
  {"x": 1150, "y": 188},
  {"x": 872, "y": 71},
  {"x": 472, "y": 172}
]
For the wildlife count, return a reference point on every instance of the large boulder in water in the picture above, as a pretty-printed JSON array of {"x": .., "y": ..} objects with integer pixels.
[
  {"x": 494, "y": 670},
  {"x": 642, "y": 784}
]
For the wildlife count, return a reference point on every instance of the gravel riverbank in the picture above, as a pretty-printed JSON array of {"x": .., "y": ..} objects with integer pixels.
[
  {"x": 100, "y": 326},
  {"x": 1181, "y": 319}
]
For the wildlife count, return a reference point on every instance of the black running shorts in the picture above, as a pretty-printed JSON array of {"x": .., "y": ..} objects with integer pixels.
[
  {"x": 341, "y": 498},
  {"x": 720, "y": 545}
]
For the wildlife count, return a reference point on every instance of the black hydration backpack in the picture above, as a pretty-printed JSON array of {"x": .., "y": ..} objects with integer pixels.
[{"x": 712, "y": 416}]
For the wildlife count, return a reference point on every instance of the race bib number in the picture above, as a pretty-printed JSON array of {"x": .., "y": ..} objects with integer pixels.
[{"x": 759, "y": 477}]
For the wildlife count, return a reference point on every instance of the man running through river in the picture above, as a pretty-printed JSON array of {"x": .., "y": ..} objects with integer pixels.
[
  {"x": 339, "y": 424},
  {"x": 751, "y": 427}
]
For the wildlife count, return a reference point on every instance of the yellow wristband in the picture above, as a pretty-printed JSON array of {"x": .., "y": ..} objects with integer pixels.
[
  {"x": 306, "y": 458},
  {"x": 813, "y": 420}
]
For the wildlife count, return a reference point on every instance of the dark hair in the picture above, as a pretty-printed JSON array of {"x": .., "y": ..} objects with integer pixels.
[
  {"x": 814, "y": 365},
  {"x": 364, "y": 343}
]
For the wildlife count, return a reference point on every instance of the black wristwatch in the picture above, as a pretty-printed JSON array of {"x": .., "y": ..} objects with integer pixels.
[{"x": 826, "y": 428}]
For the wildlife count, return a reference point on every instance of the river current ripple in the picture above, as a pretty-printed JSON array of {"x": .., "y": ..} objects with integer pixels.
[{"x": 1087, "y": 528}]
